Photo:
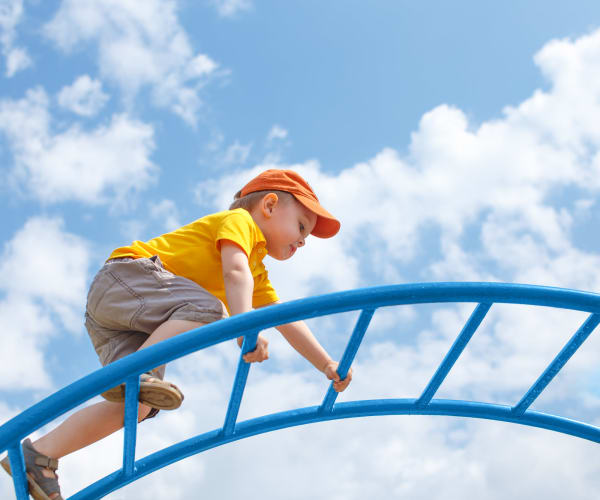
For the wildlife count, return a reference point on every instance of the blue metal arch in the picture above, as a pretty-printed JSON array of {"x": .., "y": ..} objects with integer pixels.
[{"x": 367, "y": 300}]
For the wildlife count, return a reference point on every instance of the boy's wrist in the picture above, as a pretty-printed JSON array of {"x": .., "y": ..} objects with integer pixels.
[{"x": 326, "y": 364}]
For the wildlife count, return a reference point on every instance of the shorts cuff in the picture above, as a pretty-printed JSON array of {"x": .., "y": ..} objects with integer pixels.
[{"x": 191, "y": 312}]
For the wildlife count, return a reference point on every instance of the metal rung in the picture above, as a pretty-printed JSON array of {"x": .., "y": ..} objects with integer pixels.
[
  {"x": 455, "y": 351},
  {"x": 556, "y": 365},
  {"x": 132, "y": 391},
  {"x": 239, "y": 384},
  {"x": 350, "y": 352}
]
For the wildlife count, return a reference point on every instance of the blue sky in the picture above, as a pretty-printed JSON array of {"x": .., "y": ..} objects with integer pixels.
[{"x": 455, "y": 141}]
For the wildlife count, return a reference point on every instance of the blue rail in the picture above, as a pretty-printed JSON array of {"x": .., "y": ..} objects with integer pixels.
[{"x": 367, "y": 301}]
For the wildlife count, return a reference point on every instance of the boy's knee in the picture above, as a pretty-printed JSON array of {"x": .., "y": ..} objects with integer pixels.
[{"x": 118, "y": 410}]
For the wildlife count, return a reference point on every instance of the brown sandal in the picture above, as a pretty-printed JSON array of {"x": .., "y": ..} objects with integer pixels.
[
  {"x": 40, "y": 486},
  {"x": 154, "y": 393}
]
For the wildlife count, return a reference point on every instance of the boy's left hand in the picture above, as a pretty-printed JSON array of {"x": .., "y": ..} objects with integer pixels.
[
  {"x": 260, "y": 353},
  {"x": 331, "y": 373}
]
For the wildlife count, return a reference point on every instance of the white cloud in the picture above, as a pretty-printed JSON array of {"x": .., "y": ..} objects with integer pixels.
[
  {"x": 138, "y": 48},
  {"x": 84, "y": 97},
  {"x": 220, "y": 154},
  {"x": 133, "y": 229},
  {"x": 17, "y": 58},
  {"x": 229, "y": 8},
  {"x": 106, "y": 164},
  {"x": 495, "y": 180},
  {"x": 43, "y": 277},
  {"x": 236, "y": 154},
  {"x": 166, "y": 211},
  {"x": 276, "y": 132},
  {"x": 275, "y": 142}
]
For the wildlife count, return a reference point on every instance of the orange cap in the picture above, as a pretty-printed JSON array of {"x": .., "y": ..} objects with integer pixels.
[{"x": 289, "y": 181}]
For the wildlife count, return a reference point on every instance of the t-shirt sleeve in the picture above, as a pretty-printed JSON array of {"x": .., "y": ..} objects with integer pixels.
[{"x": 237, "y": 228}]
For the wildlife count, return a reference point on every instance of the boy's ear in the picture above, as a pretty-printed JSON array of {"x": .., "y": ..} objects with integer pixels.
[{"x": 269, "y": 202}]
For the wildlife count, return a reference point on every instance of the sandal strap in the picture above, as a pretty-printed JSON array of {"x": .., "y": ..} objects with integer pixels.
[
  {"x": 49, "y": 485},
  {"x": 46, "y": 462}
]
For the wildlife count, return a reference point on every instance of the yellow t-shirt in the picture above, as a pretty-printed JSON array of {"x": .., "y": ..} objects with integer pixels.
[{"x": 194, "y": 252}]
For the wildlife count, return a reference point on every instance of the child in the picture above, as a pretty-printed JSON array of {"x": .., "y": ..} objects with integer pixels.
[{"x": 197, "y": 274}]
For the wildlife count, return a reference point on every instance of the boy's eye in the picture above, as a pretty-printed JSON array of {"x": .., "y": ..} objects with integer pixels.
[{"x": 301, "y": 228}]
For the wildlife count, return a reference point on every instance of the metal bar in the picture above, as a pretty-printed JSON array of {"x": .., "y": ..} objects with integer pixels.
[
  {"x": 17, "y": 470},
  {"x": 455, "y": 351},
  {"x": 132, "y": 390},
  {"x": 181, "y": 345},
  {"x": 239, "y": 384},
  {"x": 556, "y": 365},
  {"x": 350, "y": 352},
  {"x": 351, "y": 409}
]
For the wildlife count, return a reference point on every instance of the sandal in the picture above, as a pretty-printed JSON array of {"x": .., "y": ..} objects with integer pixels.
[
  {"x": 40, "y": 486},
  {"x": 155, "y": 394}
]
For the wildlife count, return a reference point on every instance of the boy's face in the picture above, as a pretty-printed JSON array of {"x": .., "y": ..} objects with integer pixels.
[{"x": 286, "y": 226}]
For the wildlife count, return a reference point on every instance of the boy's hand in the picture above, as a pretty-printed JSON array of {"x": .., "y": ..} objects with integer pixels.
[
  {"x": 331, "y": 373},
  {"x": 260, "y": 353}
]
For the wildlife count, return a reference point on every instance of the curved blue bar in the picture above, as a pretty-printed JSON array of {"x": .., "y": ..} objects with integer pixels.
[
  {"x": 354, "y": 409},
  {"x": 367, "y": 300}
]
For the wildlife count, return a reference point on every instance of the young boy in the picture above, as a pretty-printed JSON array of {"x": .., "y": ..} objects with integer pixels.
[{"x": 197, "y": 274}]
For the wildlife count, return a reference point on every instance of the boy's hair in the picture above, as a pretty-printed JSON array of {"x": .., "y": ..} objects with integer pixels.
[{"x": 249, "y": 201}]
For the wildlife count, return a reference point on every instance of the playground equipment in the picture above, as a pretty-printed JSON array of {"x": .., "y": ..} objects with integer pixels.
[{"x": 366, "y": 300}]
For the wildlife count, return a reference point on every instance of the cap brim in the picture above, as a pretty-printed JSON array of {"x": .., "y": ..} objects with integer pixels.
[{"x": 327, "y": 225}]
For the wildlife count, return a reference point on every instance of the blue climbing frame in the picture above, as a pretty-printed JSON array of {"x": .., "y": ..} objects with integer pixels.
[{"x": 367, "y": 301}]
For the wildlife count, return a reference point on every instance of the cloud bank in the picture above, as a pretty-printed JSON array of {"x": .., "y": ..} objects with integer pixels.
[
  {"x": 17, "y": 58},
  {"x": 137, "y": 48},
  {"x": 103, "y": 165},
  {"x": 43, "y": 276}
]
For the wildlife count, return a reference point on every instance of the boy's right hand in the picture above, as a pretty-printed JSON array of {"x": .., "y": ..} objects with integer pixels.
[
  {"x": 260, "y": 353},
  {"x": 330, "y": 370}
]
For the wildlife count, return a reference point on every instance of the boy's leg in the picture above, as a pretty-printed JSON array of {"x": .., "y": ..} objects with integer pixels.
[
  {"x": 95, "y": 422},
  {"x": 169, "y": 329},
  {"x": 81, "y": 429},
  {"x": 84, "y": 427}
]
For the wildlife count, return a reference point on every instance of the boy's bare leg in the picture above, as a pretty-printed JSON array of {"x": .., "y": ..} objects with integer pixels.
[
  {"x": 83, "y": 428},
  {"x": 95, "y": 422},
  {"x": 99, "y": 420},
  {"x": 169, "y": 329}
]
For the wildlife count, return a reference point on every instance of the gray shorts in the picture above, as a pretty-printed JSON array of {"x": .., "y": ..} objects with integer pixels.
[{"x": 130, "y": 298}]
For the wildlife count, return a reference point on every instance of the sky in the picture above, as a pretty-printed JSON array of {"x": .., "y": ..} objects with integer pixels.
[{"x": 455, "y": 141}]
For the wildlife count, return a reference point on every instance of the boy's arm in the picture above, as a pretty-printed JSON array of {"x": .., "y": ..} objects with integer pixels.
[
  {"x": 301, "y": 338},
  {"x": 239, "y": 286}
]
